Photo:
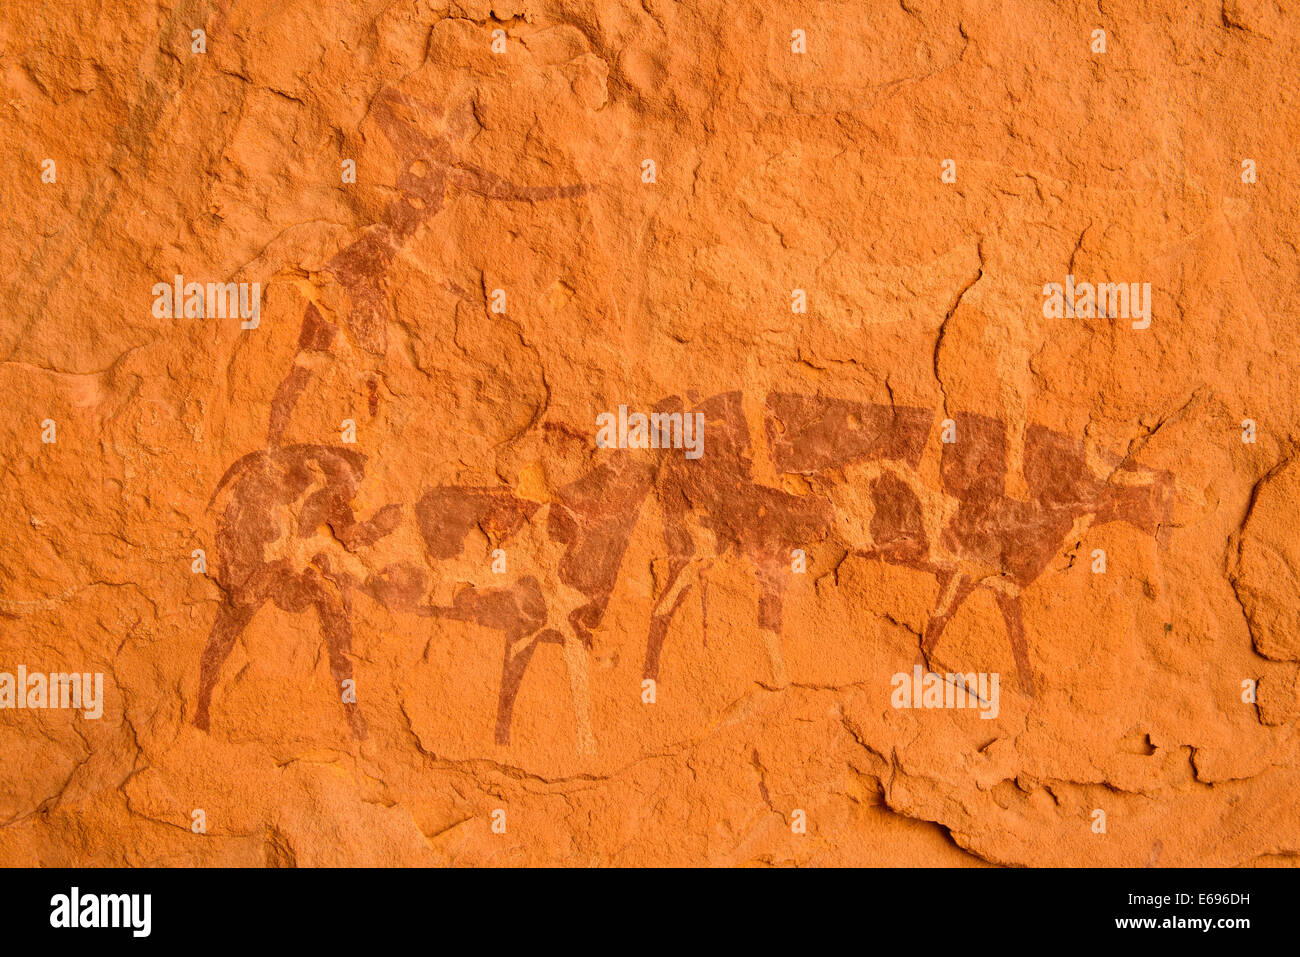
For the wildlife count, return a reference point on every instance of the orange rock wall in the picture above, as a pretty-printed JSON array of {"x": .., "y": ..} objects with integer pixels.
[{"x": 368, "y": 573}]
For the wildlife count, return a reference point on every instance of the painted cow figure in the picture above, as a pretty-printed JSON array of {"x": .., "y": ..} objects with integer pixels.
[
  {"x": 287, "y": 534},
  {"x": 969, "y": 533},
  {"x": 286, "y": 530},
  {"x": 712, "y": 507}
]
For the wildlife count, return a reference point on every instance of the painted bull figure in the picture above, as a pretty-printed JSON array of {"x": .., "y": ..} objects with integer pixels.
[
  {"x": 969, "y": 533},
  {"x": 287, "y": 532}
]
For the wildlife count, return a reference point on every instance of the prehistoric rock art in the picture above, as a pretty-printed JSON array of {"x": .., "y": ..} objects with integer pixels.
[
  {"x": 277, "y": 500},
  {"x": 975, "y": 536},
  {"x": 591, "y": 520},
  {"x": 361, "y": 268},
  {"x": 969, "y": 534},
  {"x": 316, "y": 483},
  {"x": 270, "y": 547},
  {"x": 716, "y": 494},
  {"x": 826, "y": 269}
]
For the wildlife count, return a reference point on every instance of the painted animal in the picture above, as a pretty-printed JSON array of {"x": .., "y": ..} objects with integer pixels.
[
  {"x": 964, "y": 529},
  {"x": 287, "y": 534},
  {"x": 969, "y": 533},
  {"x": 286, "y": 525}
]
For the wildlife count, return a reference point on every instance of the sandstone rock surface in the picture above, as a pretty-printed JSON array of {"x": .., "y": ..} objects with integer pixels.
[{"x": 364, "y": 584}]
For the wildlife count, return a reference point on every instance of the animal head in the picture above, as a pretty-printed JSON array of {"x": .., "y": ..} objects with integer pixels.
[{"x": 1141, "y": 497}]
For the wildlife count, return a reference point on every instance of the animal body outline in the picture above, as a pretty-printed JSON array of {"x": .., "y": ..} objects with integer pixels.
[
  {"x": 594, "y": 518},
  {"x": 979, "y": 536},
  {"x": 278, "y": 498},
  {"x": 319, "y": 480}
]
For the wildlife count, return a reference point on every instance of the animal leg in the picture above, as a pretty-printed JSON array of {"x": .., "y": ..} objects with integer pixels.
[
  {"x": 771, "y": 596},
  {"x": 954, "y": 589},
  {"x": 674, "y": 593},
  {"x": 337, "y": 631},
  {"x": 512, "y": 673},
  {"x": 518, "y": 653},
  {"x": 575, "y": 657},
  {"x": 230, "y": 623},
  {"x": 316, "y": 336},
  {"x": 1013, "y": 616}
]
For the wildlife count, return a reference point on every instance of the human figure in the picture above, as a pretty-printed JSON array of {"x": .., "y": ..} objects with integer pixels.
[{"x": 318, "y": 482}]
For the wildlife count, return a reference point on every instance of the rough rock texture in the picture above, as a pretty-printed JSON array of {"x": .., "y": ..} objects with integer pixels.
[{"x": 495, "y": 588}]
